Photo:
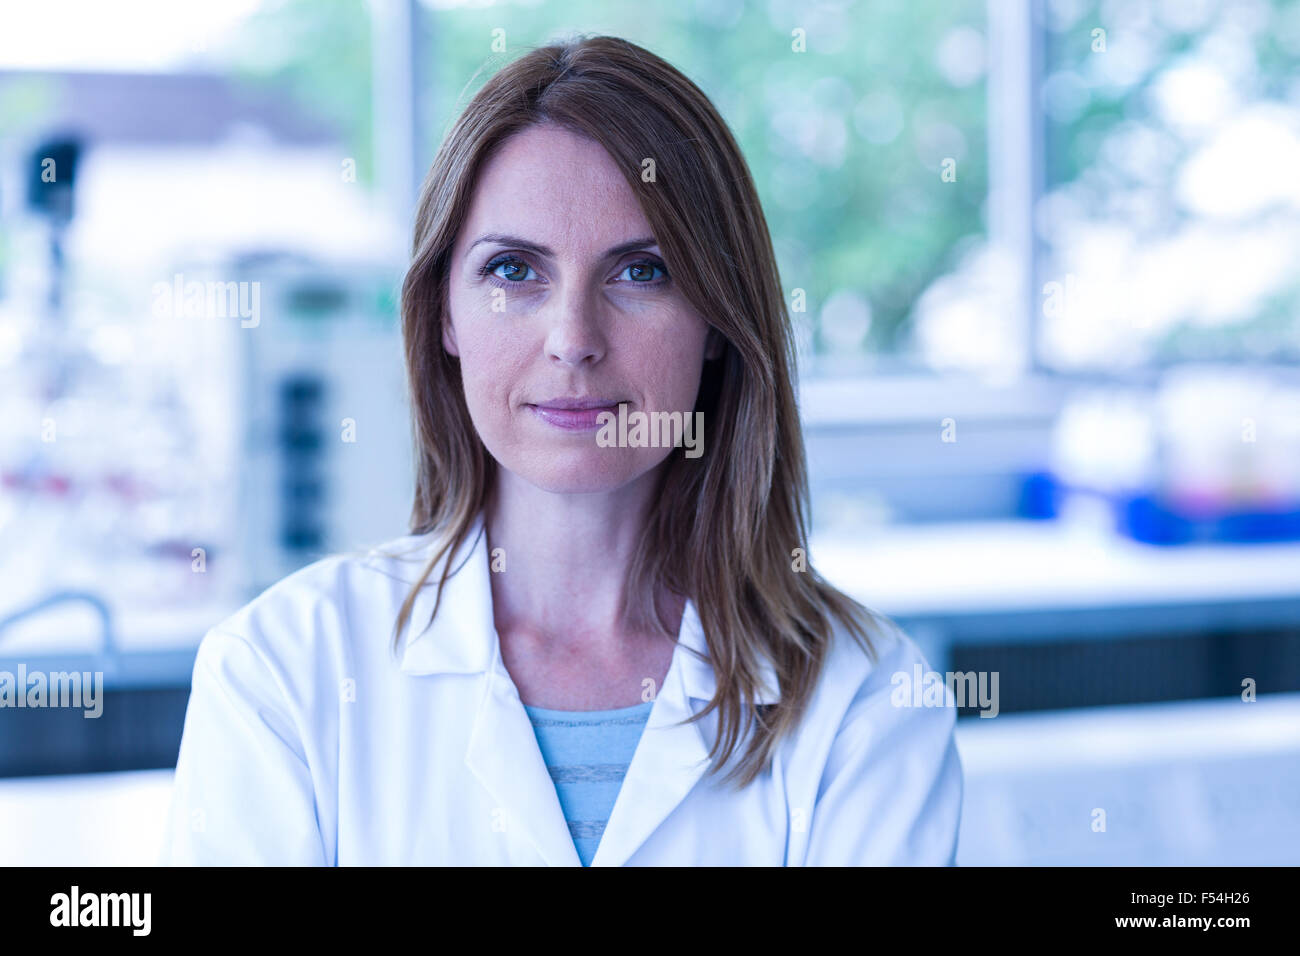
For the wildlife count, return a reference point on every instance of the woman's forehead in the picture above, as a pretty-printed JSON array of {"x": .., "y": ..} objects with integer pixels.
[{"x": 556, "y": 189}]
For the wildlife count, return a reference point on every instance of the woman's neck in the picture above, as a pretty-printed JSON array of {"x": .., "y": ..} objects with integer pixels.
[{"x": 560, "y": 561}]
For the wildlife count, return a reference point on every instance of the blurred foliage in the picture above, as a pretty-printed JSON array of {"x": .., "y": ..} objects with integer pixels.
[
  {"x": 847, "y": 212},
  {"x": 1161, "y": 37},
  {"x": 318, "y": 53}
]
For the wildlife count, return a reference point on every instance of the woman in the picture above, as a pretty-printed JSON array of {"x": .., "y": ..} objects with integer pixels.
[{"x": 609, "y": 647}]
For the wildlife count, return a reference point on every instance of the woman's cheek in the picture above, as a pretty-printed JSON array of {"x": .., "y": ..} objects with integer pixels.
[
  {"x": 491, "y": 369},
  {"x": 679, "y": 368}
]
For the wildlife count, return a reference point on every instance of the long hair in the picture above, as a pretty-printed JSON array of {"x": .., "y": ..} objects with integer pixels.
[{"x": 726, "y": 528}]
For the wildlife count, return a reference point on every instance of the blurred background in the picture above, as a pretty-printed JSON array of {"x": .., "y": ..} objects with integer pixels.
[{"x": 1041, "y": 255}]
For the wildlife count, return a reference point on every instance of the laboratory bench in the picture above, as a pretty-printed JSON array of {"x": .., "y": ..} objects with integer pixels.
[
  {"x": 1067, "y": 612},
  {"x": 1072, "y": 614},
  {"x": 1207, "y": 783}
]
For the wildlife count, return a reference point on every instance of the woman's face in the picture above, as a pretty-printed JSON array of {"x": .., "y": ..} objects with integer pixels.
[{"x": 561, "y": 307}]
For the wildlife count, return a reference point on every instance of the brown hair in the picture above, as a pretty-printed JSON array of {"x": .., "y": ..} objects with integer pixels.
[{"x": 725, "y": 525}]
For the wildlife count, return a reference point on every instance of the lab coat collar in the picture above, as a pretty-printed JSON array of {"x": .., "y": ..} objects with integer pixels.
[
  {"x": 463, "y": 638},
  {"x": 503, "y": 754}
]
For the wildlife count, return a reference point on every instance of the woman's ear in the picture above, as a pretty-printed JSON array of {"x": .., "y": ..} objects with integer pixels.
[
  {"x": 713, "y": 344},
  {"x": 449, "y": 337}
]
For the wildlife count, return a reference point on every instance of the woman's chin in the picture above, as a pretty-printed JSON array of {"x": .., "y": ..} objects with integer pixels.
[{"x": 588, "y": 472}]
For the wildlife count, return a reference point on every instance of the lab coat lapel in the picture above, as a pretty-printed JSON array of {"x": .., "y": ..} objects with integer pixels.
[
  {"x": 669, "y": 760},
  {"x": 504, "y": 755},
  {"x": 502, "y": 752}
]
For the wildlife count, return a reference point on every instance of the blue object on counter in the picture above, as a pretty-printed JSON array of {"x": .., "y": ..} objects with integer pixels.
[
  {"x": 1148, "y": 519},
  {"x": 1040, "y": 497}
]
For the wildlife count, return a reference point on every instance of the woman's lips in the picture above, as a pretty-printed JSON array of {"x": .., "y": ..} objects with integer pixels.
[{"x": 571, "y": 418}]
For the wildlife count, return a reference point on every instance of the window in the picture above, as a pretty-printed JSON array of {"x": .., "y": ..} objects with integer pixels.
[{"x": 1170, "y": 223}]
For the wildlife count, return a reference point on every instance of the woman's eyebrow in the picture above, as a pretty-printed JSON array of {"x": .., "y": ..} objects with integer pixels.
[{"x": 496, "y": 237}]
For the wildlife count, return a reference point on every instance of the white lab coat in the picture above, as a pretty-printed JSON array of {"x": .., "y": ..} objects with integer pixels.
[{"x": 306, "y": 743}]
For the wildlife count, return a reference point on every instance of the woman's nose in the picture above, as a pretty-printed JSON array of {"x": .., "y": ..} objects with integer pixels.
[{"x": 575, "y": 335}]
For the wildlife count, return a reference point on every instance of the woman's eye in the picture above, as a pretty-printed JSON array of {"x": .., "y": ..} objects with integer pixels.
[
  {"x": 515, "y": 271},
  {"x": 512, "y": 270},
  {"x": 643, "y": 273}
]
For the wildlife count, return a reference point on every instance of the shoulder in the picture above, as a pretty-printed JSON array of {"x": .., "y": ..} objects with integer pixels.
[
  {"x": 853, "y": 672},
  {"x": 864, "y": 696},
  {"x": 882, "y": 773},
  {"x": 320, "y": 611}
]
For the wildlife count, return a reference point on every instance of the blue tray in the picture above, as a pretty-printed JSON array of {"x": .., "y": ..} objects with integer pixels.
[{"x": 1152, "y": 520}]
